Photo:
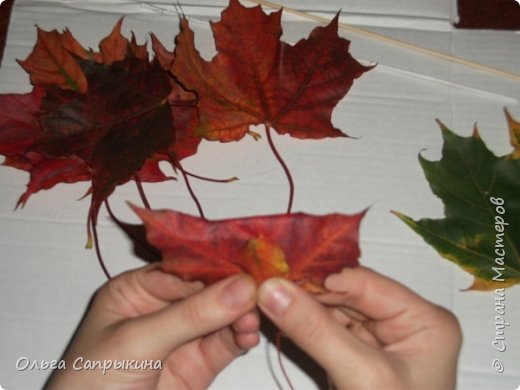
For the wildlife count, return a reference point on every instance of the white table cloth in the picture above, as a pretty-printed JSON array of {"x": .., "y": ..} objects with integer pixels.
[{"x": 47, "y": 278}]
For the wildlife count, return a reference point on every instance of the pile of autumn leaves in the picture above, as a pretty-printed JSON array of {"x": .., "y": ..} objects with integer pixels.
[
  {"x": 108, "y": 117},
  {"x": 113, "y": 115}
]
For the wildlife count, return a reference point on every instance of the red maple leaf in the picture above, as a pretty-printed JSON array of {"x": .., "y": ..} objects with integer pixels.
[
  {"x": 257, "y": 79},
  {"x": 129, "y": 115},
  {"x": 112, "y": 116},
  {"x": 124, "y": 120},
  {"x": 300, "y": 247},
  {"x": 52, "y": 61},
  {"x": 19, "y": 131},
  {"x": 19, "y": 126}
]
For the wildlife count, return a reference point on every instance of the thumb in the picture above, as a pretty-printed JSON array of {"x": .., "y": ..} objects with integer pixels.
[{"x": 308, "y": 324}]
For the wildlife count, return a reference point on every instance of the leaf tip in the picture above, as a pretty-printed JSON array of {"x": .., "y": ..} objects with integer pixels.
[
  {"x": 508, "y": 115},
  {"x": 119, "y": 23},
  {"x": 344, "y": 135},
  {"x": 22, "y": 200},
  {"x": 475, "y": 133},
  {"x": 144, "y": 214},
  {"x": 486, "y": 285},
  {"x": 421, "y": 158},
  {"x": 442, "y": 126},
  {"x": 396, "y": 213},
  {"x": 335, "y": 20},
  {"x": 405, "y": 218},
  {"x": 514, "y": 135},
  {"x": 134, "y": 207}
]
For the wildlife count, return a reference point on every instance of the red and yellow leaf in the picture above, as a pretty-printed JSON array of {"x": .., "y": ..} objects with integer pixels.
[
  {"x": 51, "y": 63},
  {"x": 132, "y": 116},
  {"x": 257, "y": 79},
  {"x": 300, "y": 247}
]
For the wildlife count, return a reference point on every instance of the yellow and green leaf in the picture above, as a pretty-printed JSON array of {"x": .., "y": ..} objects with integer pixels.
[
  {"x": 481, "y": 195},
  {"x": 514, "y": 134}
]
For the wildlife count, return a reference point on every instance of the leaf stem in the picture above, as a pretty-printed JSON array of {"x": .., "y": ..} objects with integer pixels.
[
  {"x": 142, "y": 194},
  {"x": 280, "y": 362},
  {"x": 185, "y": 175},
  {"x": 284, "y": 167},
  {"x": 98, "y": 250},
  {"x": 195, "y": 176}
]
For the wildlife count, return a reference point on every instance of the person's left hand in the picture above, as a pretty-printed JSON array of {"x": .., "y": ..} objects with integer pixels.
[{"x": 147, "y": 315}]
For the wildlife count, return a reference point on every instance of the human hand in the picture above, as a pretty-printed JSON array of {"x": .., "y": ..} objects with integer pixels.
[
  {"x": 147, "y": 315},
  {"x": 369, "y": 332}
]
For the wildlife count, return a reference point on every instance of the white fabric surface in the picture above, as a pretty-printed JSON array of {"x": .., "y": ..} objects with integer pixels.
[{"x": 47, "y": 278}]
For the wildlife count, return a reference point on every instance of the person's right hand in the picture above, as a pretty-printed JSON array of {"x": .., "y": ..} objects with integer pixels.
[{"x": 369, "y": 332}]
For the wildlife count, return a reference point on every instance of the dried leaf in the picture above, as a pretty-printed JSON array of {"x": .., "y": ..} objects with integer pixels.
[
  {"x": 19, "y": 127},
  {"x": 123, "y": 120},
  {"x": 132, "y": 116},
  {"x": 300, "y": 247},
  {"x": 514, "y": 135},
  {"x": 257, "y": 79},
  {"x": 50, "y": 63}
]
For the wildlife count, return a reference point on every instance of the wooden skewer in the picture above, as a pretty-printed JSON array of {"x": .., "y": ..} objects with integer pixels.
[{"x": 393, "y": 41}]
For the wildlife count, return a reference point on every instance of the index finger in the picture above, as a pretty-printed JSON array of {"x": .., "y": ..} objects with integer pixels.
[
  {"x": 371, "y": 294},
  {"x": 392, "y": 311},
  {"x": 141, "y": 291},
  {"x": 209, "y": 310}
]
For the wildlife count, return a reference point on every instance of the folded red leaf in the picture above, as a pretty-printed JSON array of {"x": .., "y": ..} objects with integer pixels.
[{"x": 300, "y": 247}]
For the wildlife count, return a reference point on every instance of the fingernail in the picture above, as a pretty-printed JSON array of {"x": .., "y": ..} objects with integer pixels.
[
  {"x": 239, "y": 293},
  {"x": 275, "y": 295}
]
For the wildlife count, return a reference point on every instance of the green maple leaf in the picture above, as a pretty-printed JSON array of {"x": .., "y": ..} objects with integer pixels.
[{"x": 481, "y": 196}]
